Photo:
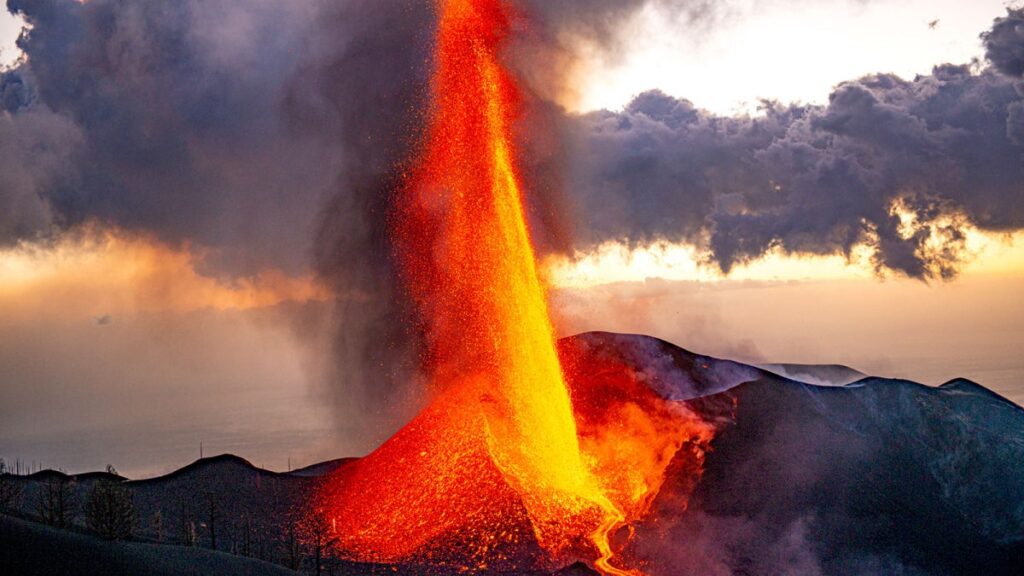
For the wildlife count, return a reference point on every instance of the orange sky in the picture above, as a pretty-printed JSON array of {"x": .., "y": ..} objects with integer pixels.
[{"x": 93, "y": 272}]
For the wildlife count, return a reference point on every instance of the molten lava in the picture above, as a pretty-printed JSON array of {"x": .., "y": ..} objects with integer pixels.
[
  {"x": 495, "y": 470},
  {"x": 473, "y": 271}
]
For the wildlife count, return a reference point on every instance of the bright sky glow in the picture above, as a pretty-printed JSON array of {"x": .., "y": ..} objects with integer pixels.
[
  {"x": 9, "y": 29},
  {"x": 789, "y": 50},
  {"x": 612, "y": 263},
  {"x": 93, "y": 272}
]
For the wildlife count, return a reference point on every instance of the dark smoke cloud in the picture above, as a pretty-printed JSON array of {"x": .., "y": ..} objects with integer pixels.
[
  {"x": 1004, "y": 43},
  {"x": 34, "y": 148},
  {"x": 943, "y": 148},
  {"x": 366, "y": 89},
  {"x": 174, "y": 122}
]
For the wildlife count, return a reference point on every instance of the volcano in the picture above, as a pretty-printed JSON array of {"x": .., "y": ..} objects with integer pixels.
[
  {"x": 769, "y": 475},
  {"x": 875, "y": 476}
]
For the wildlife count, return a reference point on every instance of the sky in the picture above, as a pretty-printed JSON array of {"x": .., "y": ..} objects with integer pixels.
[
  {"x": 757, "y": 50},
  {"x": 10, "y": 27},
  {"x": 191, "y": 205}
]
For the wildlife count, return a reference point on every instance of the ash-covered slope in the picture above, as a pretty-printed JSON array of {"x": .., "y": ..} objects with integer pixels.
[
  {"x": 879, "y": 476},
  {"x": 672, "y": 372},
  {"x": 31, "y": 549},
  {"x": 817, "y": 374},
  {"x": 883, "y": 476}
]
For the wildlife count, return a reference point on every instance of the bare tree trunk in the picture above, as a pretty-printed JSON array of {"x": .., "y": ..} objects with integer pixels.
[
  {"x": 213, "y": 515},
  {"x": 57, "y": 502}
]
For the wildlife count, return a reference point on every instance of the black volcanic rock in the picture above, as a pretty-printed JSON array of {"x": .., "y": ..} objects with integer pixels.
[
  {"x": 577, "y": 569},
  {"x": 672, "y": 372},
  {"x": 879, "y": 476},
  {"x": 322, "y": 468}
]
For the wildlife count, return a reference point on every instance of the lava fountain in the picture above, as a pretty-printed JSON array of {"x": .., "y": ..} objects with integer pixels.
[
  {"x": 471, "y": 267},
  {"x": 494, "y": 464}
]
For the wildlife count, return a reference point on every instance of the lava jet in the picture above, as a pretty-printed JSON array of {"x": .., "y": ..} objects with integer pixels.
[{"x": 503, "y": 468}]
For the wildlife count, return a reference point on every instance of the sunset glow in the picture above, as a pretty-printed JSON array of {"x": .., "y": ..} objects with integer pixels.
[
  {"x": 95, "y": 272},
  {"x": 986, "y": 255}
]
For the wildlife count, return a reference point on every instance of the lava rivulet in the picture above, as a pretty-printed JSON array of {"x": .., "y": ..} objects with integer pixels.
[{"x": 494, "y": 464}]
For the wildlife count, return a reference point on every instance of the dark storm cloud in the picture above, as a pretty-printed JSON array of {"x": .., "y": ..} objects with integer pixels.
[
  {"x": 943, "y": 149},
  {"x": 1004, "y": 43},
  {"x": 232, "y": 123},
  {"x": 34, "y": 148},
  {"x": 176, "y": 108}
]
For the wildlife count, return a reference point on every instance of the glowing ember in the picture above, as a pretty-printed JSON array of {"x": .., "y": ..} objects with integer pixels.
[{"x": 494, "y": 464}]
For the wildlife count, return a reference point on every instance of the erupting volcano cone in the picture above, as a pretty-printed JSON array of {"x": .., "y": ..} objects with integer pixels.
[{"x": 494, "y": 465}]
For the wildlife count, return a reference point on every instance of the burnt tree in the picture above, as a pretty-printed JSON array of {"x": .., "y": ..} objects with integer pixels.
[
  {"x": 213, "y": 516},
  {"x": 292, "y": 547},
  {"x": 318, "y": 531},
  {"x": 57, "y": 503},
  {"x": 186, "y": 526},
  {"x": 110, "y": 509},
  {"x": 10, "y": 488}
]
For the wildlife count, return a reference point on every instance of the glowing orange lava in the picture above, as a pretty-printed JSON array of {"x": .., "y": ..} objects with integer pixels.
[{"x": 493, "y": 469}]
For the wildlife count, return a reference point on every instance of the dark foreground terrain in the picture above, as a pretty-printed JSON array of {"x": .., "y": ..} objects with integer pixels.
[
  {"x": 823, "y": 472},
  {"x": 32, "y": 548}
]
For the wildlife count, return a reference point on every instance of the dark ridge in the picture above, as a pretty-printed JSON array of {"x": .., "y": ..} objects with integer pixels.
[
  {"x": 313, "y": 470},
  {"x": 707, "y": 375},
  {"x": 833, "y": 374},
  {"x": 881, "y": 381},
  {"x": 47, "y": 474},
  {"x": 204, "y": 463},
  {"x": 665, "y": 344},
  {"x": 321, "y": 468},
  {"x": 679, "y": 353},
  {"x": 96, "y": 476},
  {"x": 922, "y": 477},
  {"x": 972, "y": 387},
  {"x": 954, "y": 386}
]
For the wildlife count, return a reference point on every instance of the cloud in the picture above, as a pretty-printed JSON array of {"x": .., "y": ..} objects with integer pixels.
[
  {"x": 173, "y": 118},
  {"x": 34, "y": 149},
  {"x": 363, "y": 90},
  {"x": 903, "y": 166},
  {"x": 1004, "y": 43}
]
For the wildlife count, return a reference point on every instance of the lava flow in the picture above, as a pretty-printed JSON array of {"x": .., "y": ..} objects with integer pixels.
[{"x": 492, "y": 471}]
